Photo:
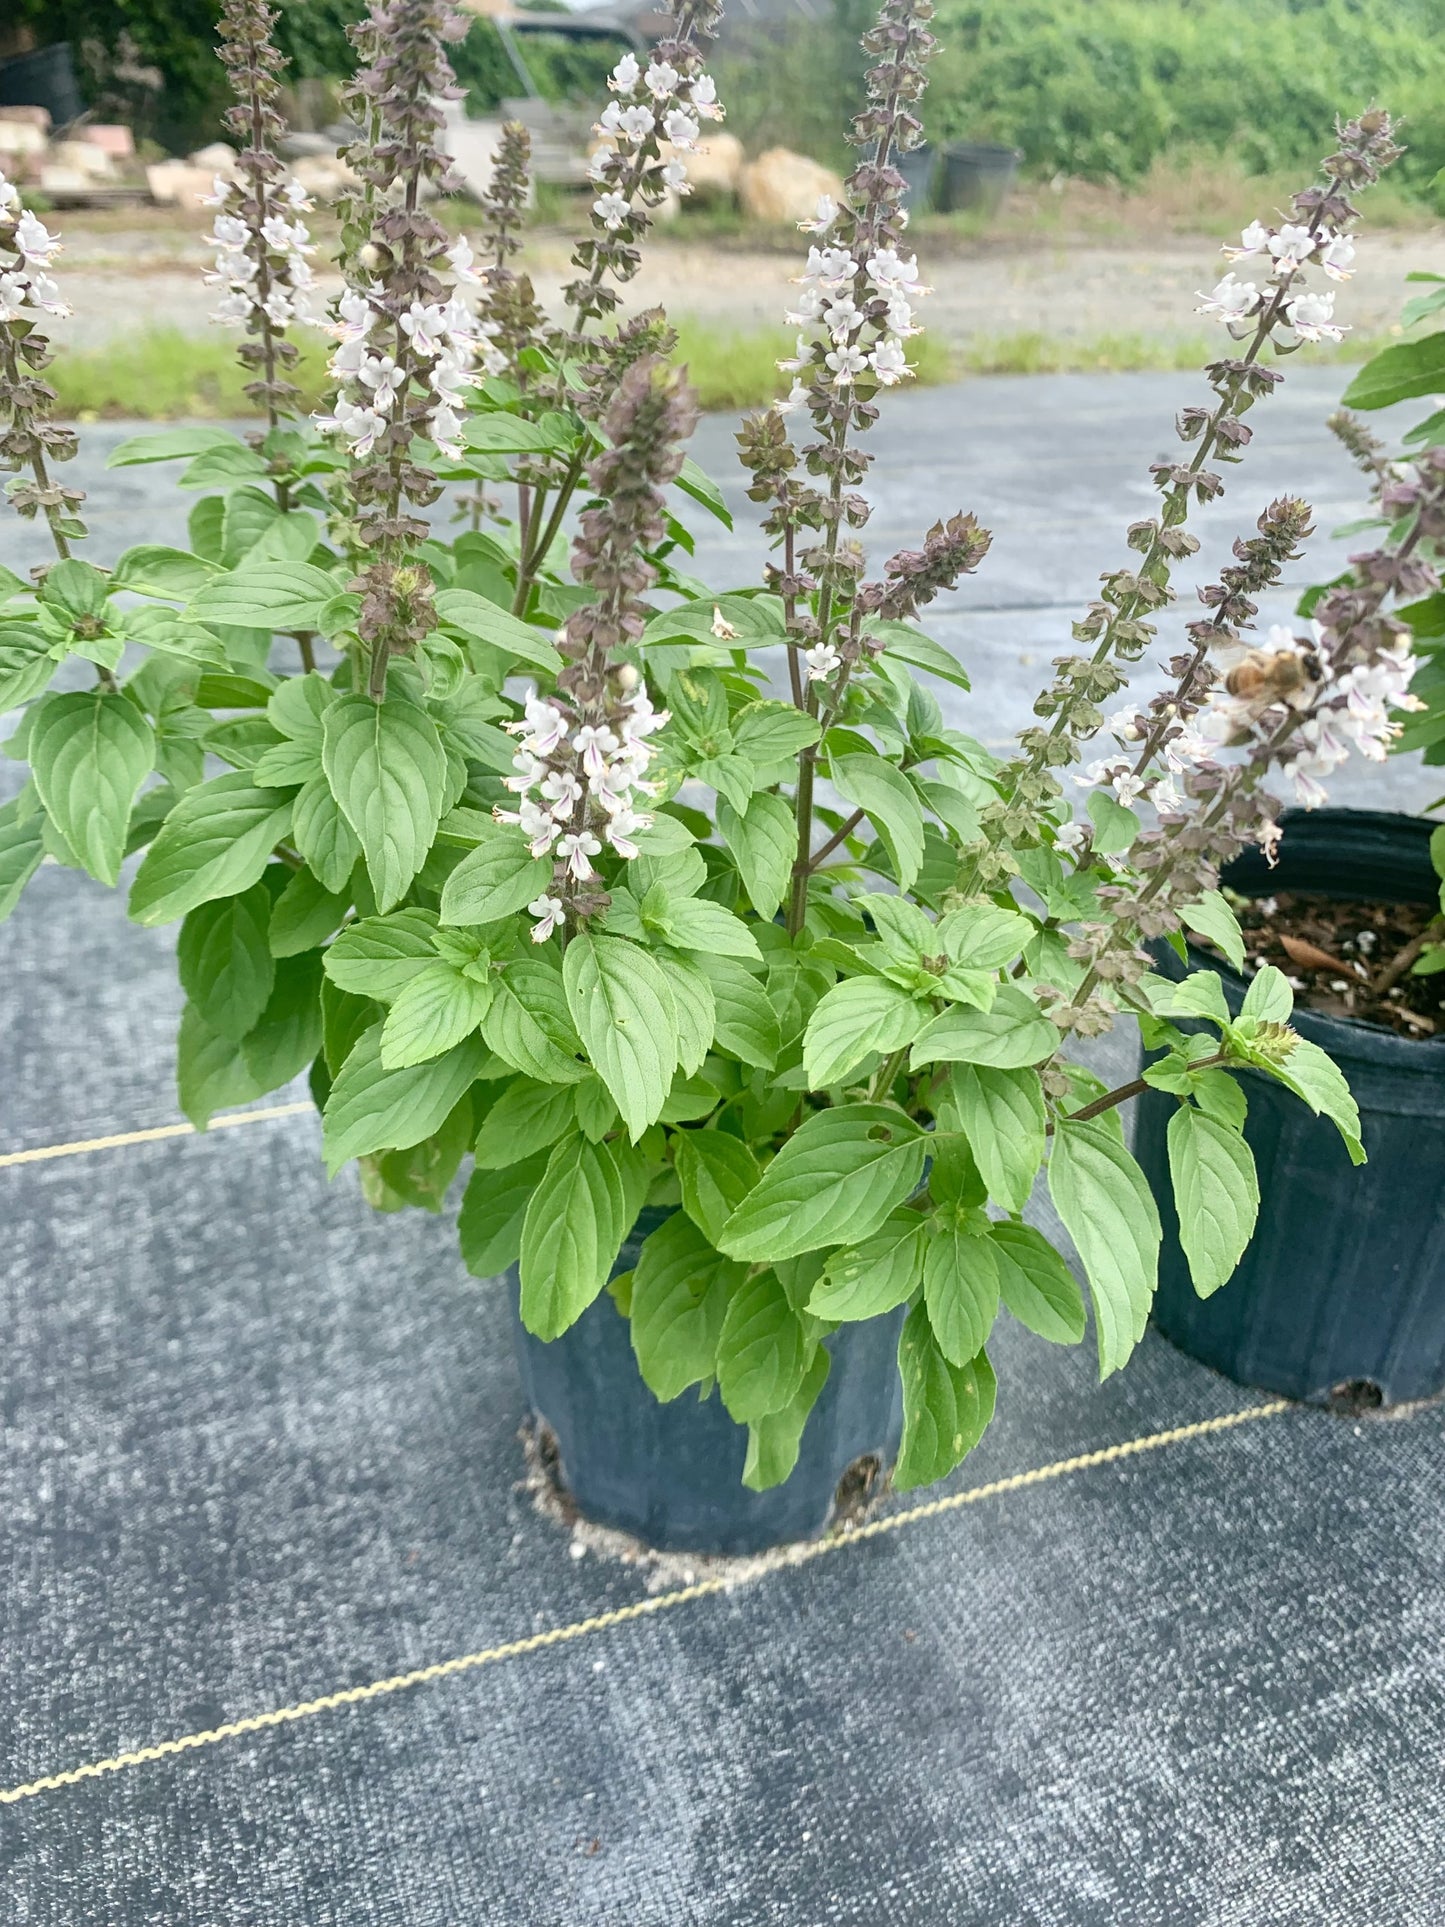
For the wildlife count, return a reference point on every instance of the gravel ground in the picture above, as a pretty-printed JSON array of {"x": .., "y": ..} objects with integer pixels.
[{"x": 124, "y": 280}]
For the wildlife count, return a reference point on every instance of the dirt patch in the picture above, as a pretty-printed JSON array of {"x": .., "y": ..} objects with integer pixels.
[{"x": 1351, "y": 959}]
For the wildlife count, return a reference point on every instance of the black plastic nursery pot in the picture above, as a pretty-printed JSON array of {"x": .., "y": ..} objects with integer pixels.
[
  {"x": 671, "y": 1475},
  {"x": 1340, "y": 1297},
  {"x": 976, "y": 176}
]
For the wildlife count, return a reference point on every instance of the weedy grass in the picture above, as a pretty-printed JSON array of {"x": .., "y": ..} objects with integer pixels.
[{"x": 166, "y": 375}]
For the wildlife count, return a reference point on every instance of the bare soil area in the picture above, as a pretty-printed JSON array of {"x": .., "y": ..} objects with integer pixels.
[{"x": 140, "y": 269}]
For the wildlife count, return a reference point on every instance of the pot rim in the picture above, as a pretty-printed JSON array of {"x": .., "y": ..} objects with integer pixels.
[{"x": 1353, "y": 1037}]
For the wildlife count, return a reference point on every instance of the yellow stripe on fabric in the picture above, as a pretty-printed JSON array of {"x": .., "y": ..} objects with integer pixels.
[
  {"x": 783, "y": 1558},
  {"x": 229, "y": 1120}
]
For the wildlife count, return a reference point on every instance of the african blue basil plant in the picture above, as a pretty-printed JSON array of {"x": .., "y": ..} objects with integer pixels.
[{"x": 508, "y": 838}]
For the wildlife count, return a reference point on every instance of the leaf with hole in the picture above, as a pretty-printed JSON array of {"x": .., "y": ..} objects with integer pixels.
[
  {"x": 867, "y": 1279},
  {"x": 835, "y": 1179}
]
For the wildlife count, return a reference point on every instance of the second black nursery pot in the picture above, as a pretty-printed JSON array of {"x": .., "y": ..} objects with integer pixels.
[{"x": 1340, "y": 1296}]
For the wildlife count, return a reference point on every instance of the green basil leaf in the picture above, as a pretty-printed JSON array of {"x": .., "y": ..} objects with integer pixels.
[
  {"x": 1115, "y": 824},
  {"x": 89, "y": 755},
  {"x": 746, "y": 1022},
  {"x": 695, "y": 482},
  {"x": 26, "y": 664},
  {"x": 473, "y": 616},
  {"x": 323, "y": 836},
  {"x": 912, "y": 646},
  {"x": 695, "y": 923},
  {"x": 171, "y": 445},
  {"x": 1001, "y": 1113},
  {"x": 373, "y": 1109},
  {"x": 571, "y": 1235},
  {"x": 1036, "y": 1285},
  {"x": 1216, "y": 1195},
  {"x": 386, "y": 768},
  {"x": 774, "y": 1441},
  {"x": 946, "y": 1407},
  {"x": 434, "y": 1011},
  {"x": 528, "y": 1117},
  {"x": 761, "y": 1356},
  {"x": 1399, "y": 373},
  {"x": 492, "y": 881},
  {"x": 266, "y": 595},
  {"x": 772, "y": 732},
  {"x": 1313, "y": 1075},
  {"x": 1212, "y": 917},
  {"x": 379, "y": 956},
  {"x": 836, "y": 1178},
  {"x": 1269, "y": 997},
  {"x": 891, "y": 805},
  {"x": 1104, "y": 1201},
  {"x": 716, "y": 1171},
  {"x": 680, "y": 1294},
  {"x": 530, "y": 1027},
  {"x": 867, "y": 1279},
  {"x": 304, "y": 915},
  {"x": 960, "y": 1289},
  {"x": 211, "y": 1072},
  {"x": 695, "y": 1007},
  {"x": 763, "y": 840},
  {"x": 855, "y": 1018},
  {"x": 215, "y": 843},
  {"x": 623, "y": 1010},
  {"x": 22, "y": 849},
  {"x": 224, "y": 960},
  {"x": 1009, "y": 1037},
  {"x": 494, "y": 1206},
  {"x": 289, "y": 1034}
]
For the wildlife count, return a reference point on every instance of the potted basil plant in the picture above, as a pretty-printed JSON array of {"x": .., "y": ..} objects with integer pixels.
[
  {"x": 1342, "y": 1301},
  {"x": 744, "y": 982}
]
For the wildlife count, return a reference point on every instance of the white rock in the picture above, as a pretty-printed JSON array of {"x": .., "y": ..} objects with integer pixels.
[
  {"x": 86, "y": 158},
  {"x": 218, "y": 158},
  {"x": 176, "y": 184},
  {"x": 781, "y": 186}
]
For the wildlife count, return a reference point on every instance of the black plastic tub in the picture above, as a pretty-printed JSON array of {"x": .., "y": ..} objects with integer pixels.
[
  {"x": 976, "y": 176},
  {"x": 919, "y": 168},
  {"x": 45, "y": 78},
  {"x": 1340, "y": 1297},
  {"x": 672, "y": 1474}
]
